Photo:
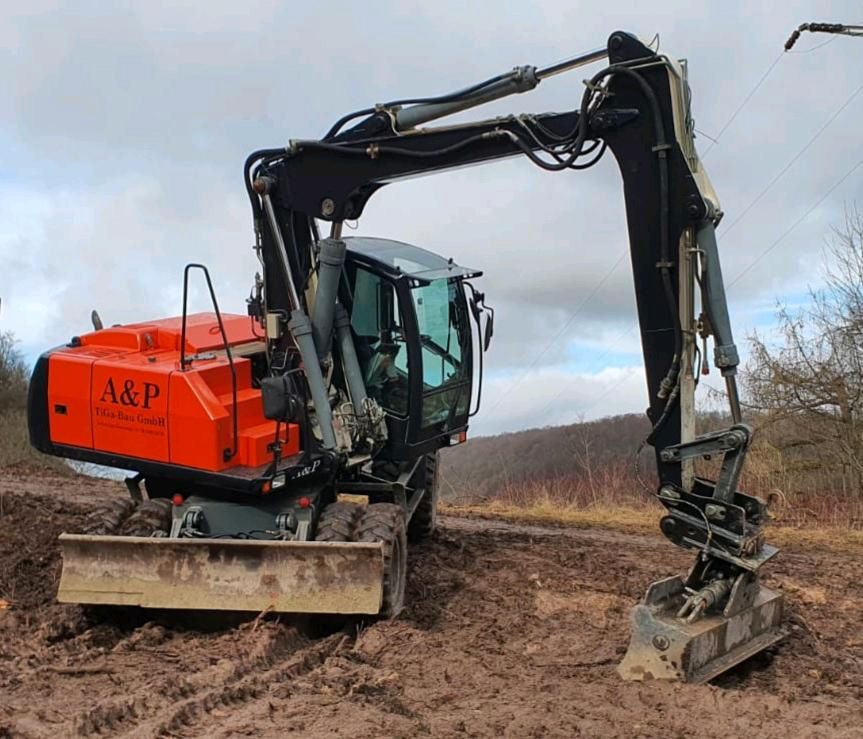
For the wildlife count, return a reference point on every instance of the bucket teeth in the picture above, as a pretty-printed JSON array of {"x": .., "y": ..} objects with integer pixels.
[{"x": 665, "y": 646}]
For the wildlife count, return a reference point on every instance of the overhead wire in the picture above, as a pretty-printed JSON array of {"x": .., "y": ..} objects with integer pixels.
[
  {"x": 796, "y": 223},
  {"x": 814, "y": 48},
  {"x": 714, "y": 140},
  {"x": 563, "y": 329},
  {"x": 742, "y": 105},
  {"x": 622, "y": 335},
  {"x": 778, "y": 176},
  {"x": 749, "y": 207}
]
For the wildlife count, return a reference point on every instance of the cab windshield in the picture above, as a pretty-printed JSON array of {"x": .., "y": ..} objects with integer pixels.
[{"x": 442, "y": 327}]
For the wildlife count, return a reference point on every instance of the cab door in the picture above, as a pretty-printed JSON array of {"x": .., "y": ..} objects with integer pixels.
[
  {"x": 413, "y": 341},
  {"x": 444, "y": 357}
]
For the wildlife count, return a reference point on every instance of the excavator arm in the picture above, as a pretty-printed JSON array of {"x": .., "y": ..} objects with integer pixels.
[{"x": 637, "y": 107}]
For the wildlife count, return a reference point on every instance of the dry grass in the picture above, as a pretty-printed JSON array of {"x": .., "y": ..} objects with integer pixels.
[
  {"x": 624, "y": 496},
  {"x": 632, "y": 520},
  {"x": 645, "y": 520},
  {"x": 15, "y": 449}
]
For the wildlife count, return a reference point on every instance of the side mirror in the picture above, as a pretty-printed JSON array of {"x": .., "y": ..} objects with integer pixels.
[
  {"x": 489, "y": 329},
  {"x": 477, "y": 305}
]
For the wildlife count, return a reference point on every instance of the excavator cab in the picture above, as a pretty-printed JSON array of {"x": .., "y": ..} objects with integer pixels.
[{"x": 417, "y": 325}]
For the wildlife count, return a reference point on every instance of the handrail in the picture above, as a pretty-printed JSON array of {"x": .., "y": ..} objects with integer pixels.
[{"x": 228, "y": 454}]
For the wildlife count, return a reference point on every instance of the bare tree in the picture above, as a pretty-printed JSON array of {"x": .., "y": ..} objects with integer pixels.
[
  {"x": 809, "y": 384},
  {"x": 13, "y": 375}
]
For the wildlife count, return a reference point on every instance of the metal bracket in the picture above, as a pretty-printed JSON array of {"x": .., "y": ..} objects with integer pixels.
[
  {"x": 133, "y": 485},
  {"x": 732, "y": 443},
  {"x": 398, "y": 491}
]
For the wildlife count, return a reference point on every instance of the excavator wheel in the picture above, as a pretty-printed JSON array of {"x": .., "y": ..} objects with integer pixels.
[
  {"x": 338, "y": 522},
  {"x": 385, "y": 522},
  {"x": 107, "y": 517},
  {"x": 150, "y": 518},
  {"x": 422, "y": 523}
]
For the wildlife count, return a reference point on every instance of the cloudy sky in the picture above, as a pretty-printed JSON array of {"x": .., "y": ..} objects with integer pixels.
[{"x": 124, "y": 126}]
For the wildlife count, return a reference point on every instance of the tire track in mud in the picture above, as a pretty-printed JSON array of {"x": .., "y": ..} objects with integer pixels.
[
  {"x": 183, "y": 701},
  {"x": 253, "y": 685},
  {"x": 510, "y": 630}
]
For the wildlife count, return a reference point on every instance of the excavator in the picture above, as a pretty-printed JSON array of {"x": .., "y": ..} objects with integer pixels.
[{"x": 252, "y": 437}]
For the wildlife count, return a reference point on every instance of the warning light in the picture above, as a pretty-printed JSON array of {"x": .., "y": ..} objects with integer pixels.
[
  {"x": 304, "y": 502},
  {"x": 266, "y": 487},
  {"x": 177, "y": 499}
]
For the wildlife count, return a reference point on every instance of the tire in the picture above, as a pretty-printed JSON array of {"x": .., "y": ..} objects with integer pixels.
[
  {"x": 385, "y": 522},
  {"x": 107, "y": 517},
  {"x": 338, "y": 522},
  {"x": 422, "y": 523},
  {"x": 151, "y": 518}
]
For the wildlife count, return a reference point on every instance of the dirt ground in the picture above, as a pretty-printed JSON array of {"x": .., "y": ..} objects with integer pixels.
[{"x": 510, "y": 631}]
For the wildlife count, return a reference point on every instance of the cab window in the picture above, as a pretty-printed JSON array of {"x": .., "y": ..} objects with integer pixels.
[
  {"x": 380, "y": 341},
  {"x": 446, "y": 385}
]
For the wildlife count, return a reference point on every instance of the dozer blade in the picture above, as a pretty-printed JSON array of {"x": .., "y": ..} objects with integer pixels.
[
  {"x": 665, "y": 647},
  {"x": 222, "y": 574}
]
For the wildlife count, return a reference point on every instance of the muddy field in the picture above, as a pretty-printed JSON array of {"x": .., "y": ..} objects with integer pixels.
[{"x": 510, "y": 632}]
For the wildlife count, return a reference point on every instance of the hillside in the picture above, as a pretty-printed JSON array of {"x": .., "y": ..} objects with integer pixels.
[{"x": 487, "y": 466}]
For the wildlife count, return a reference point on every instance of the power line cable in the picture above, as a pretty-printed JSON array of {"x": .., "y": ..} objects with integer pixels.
[
  {"x": 773, "y": 245},
  {"x": 742, "y": 105},
  {"x": 554, "y": 340},
  {"x": 772, "y": 182},
  {"x": 622, "y": 335},
  {"x": 746, "y": 210},
  {"x": 714, "y": 141},
  {"x": 814, "y": 48},
  {"x": 628, "y": 373},
  {"x": 794, "y": 225},
  {"x": 778, "y": 176}
]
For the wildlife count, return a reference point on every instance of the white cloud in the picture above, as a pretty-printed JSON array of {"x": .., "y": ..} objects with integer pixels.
[
  {"x": 124, "y": 126},
  {"x": 555, "y": 396}
]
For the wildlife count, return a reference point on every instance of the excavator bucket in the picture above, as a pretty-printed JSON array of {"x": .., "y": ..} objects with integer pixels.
[
  {"x": 666, "y": 647},
  {"x": 226, "y": 575}
]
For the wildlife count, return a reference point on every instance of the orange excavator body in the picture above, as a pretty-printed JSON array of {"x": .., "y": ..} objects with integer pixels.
[{"x": 121, "y": 391}]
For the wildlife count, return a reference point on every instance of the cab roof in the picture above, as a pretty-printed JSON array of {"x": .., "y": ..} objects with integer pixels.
[{"x": 399, "y": 259}]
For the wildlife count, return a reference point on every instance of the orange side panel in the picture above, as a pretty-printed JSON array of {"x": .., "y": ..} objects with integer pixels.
[
  {"x": 200, "y": 425},
  {"x": 217, "y": 374},
  {"x": 122, "y": 391},
  {"x": 69, "y": 415},
  {"x": 130, "y": 408},
  {"x": 256, "y": 443}
]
